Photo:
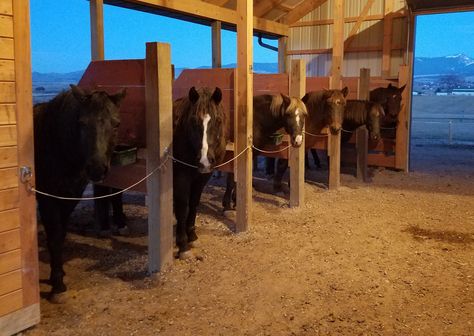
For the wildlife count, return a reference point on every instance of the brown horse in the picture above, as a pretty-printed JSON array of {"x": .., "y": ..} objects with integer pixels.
[
  {"x": 75, "y": 134},
  {"x": 325, "y": 109},
  {"x": 362, "y": 112},
  {"x": 199, "y": 143},
  {"x": 390, "y": 98},
  {"x": 271, "y": 113}
]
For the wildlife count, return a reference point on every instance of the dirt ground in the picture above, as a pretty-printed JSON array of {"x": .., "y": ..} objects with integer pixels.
[{"x": 392, "y": 257}]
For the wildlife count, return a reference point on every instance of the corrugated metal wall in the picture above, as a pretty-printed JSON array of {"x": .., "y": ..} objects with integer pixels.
[{"x": 310, "y": 36}]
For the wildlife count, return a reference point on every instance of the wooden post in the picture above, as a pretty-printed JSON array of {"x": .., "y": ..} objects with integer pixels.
[
  {"x": 216, "y": 44},
  {"x": 282, "y": 49},
  {"x": 24, "y": 120},
  {"x": 244, "y": 111},
  {"x": 159, "y": 135},
  {"x": 97, "y": 29},
  {"x": 403, "y": 135},
  {"x": 334, "y": 150},
  {"x": 362, "y": 148},
  {"x": 363, "y": 85},
  {"x": 362, "y": 134},
  {"x": 298, "y": 90},
  {"x": 387, "y": 38}
]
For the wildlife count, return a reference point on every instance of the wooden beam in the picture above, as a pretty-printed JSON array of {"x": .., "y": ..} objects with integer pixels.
[
  {"x": 387, "y": 38},
  {"x": 244, "y": 113},
  {"x": 159, "y": 135},
  {"x": 363, "y": 84},
  {"x": 399, "y": 14},
  {"x": 301, "y": 10},
  {"x": 217, "y": 2},
  {"x": 350, "y": 49},
  {"x": 24, "y": 114},
  {"x": 20, "y": 320},
  {"x": 297, "y": 155},
  {"x": 362, "y": 148},
  {"x": 97, "y": 29},
  {"x": 216, "y": 44},
  {"x": 207, "y": 11},
  {"x": 358, "y": 24},
  {"x": 335, "y": 82},
  {"x": 403, "y": 134},
  {"x": 282, "y": 49},
  {"x": 263, "y": 7}
]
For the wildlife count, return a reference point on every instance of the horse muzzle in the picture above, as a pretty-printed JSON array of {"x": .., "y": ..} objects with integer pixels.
[{"x": 297, "y": 140}]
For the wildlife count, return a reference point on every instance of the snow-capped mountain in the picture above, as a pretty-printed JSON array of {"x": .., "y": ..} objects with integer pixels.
[{"x": 459, "y": 64}]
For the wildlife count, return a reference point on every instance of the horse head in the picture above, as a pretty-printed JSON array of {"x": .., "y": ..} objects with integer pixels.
[
  {"x": 335, "y": 103},
  {"x": 98, "y": 122},
  {"x": 206, "y": 127},
  {"x": 375, "y": 113},
  {"x": 294, "y": 114},
  {"x": 390, "y": 98}
]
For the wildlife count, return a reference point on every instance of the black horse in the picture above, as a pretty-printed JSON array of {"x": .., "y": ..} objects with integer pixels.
[
  {"x": 271, "y": 113},
  {"x": 198, "y": 140},
  {"x": 325, "y": 108},
  {"x": 74, "y": 134},
  {"x": 390, "y": 98}
]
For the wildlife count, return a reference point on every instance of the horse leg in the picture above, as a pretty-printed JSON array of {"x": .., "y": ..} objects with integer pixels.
[
  {"x": 101, "y": 210},
  {"x": 282, "y": 165},
  {"x": 229, "y": 194},
  {"x": 314, "y": 153},
  {"x": 194, "y": 199},
  {"x": 181, "y": 195},
  {"x": 269, "y": 166},
  {"x": 119, "y": 218}
]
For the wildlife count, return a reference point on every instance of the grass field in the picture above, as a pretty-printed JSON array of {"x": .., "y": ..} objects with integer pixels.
[{"x": 443, "y": 119}]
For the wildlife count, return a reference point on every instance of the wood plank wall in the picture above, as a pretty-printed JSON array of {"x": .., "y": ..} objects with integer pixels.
[
  {"x": 19, "y": 288},
  {"x": 10, "y": 254}
]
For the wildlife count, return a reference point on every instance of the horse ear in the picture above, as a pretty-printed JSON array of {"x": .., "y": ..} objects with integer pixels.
[
  {"x": 389, "y": 86},
  {"x": 345, "y": 91},
  {"x": 286, "y": 99},
  {"x": 118, "y": 97},
  {"x": 193, "y": 95},
  {"x": 78, "y": 92},
  {"x": 217, "y": 95},
  {"x": 402, "y": 88},
  {"x": 305, "y": 98}
]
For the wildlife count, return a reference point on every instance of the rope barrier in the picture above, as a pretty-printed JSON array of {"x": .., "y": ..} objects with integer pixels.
[
  {"x": 33, "y": 189},
  {"x": 103, "y": 196},
  {"x": 316, "y": 135},
  {"x": 271, "y": 152}
]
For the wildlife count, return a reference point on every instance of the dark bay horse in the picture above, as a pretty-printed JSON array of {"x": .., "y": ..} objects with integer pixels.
[
  {"x": 74, "y": 135},
  {"x": 199, "y": 140},
  {"x": 390, "y": 98},
  {"x": 362, "y": 112},
  {"x": 325, "y": 109},
  {"x": 271, "y": 113}
]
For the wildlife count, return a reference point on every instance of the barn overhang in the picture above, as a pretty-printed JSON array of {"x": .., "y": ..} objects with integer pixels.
[{"x": 439, "y": 6}]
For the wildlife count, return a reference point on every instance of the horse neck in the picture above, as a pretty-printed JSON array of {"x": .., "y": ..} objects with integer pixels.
[
  {"x": 318, "y": 114},
  {"x": 265, "y": 122},
  {"x": 356, "y": 113}
]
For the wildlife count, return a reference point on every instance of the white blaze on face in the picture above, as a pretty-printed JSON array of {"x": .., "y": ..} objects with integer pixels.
[
  {"x": 205, "y": 147},
  {"x": 299, "y": 138}
]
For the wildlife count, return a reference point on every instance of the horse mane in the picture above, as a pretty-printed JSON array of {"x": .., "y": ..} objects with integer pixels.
[
  {"x": 357, "y": 111},
  {"x": 278, "y": 109}
]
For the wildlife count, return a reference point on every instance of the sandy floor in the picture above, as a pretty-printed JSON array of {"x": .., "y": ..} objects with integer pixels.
[{"x": 392, "y": 257}]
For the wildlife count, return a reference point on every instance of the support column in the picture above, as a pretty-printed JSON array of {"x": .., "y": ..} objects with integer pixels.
[
  {"x": 363, "y": 85},
  {"x": 97, "y": 29},
  {"x": 282, "y": 49},
  {"x": 159, "y": 135},
  {"x": 334, "y": 150},
  {"x": 216, "y": 44},
  {"x": 402, "y": 143},
  {"x": 387, "y": 38},
  {"x": 297, "y": 89},
  {"x": 244, "y": 112}
]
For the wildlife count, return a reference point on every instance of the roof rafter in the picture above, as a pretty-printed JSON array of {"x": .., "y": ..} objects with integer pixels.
[
  {"x": 204, "y": 11},
  {"x": 301, "y": 10},
  {"x": 265, "y": 6}
]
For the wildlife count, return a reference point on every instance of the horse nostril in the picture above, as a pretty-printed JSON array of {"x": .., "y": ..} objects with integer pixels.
[{"x": 212, "y": 160}]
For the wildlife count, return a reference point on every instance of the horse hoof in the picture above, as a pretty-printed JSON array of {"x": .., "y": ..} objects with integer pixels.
[
  {"x": 186, "y": 255},
  {"x": 229, "y": 214},
  {"x": 124, "y": 231},
  {"x": 194, "y": 244},
  {"x": 57, "y": 298},
  {"x": 105, "y": 234}
]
